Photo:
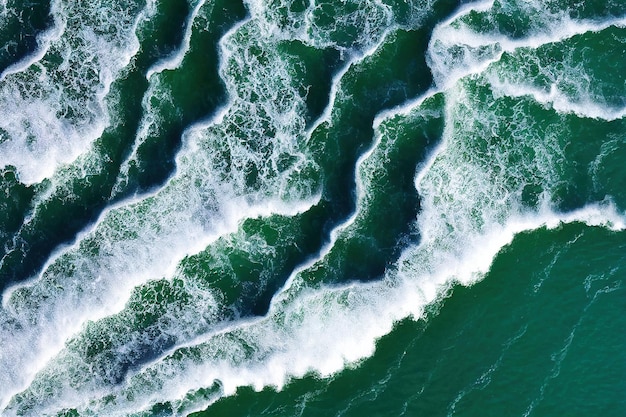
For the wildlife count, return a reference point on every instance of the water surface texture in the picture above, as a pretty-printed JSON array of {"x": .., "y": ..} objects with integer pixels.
[{"x": 313, "y": 208}]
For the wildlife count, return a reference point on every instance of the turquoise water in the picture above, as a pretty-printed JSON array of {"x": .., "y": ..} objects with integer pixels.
[{"x": 313, "y": 208}]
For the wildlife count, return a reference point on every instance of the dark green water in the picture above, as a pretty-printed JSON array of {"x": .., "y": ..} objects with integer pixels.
[{"x": 324, "y": 208}]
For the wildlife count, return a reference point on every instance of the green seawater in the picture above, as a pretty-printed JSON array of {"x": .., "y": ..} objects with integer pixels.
[
  {"x": 313, "y": 208},
  {"x": 540, "y": 335}
]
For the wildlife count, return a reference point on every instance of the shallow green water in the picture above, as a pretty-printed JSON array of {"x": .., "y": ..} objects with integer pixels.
[{"x": 288, "y": 208}]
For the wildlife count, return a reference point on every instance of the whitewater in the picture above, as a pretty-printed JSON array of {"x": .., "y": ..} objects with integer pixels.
[{"x": 264, "y": 192}]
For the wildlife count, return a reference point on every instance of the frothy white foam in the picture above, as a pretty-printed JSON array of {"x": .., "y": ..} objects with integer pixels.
[
  {"x": 319, "y": 331},
  {"x": 471, "y": 208},
  {"x": 159, "y": 93},
  {"x": 335, "y": 88},
  {"x": 176, "y": 58},
  {"x": 558, "y": 100},
  {"x": 323, "y": 329},
  {"x": 569, "y": 85},
  {"x": 146, "y": 239},
  {"x": 456, "y": 50},
  {"x": 54, "y": 101},
  {"x": 329, "y": 25},
  {"x": 93, "y": 278},
  {"x": 405, "y": 108},
  {"x": 44, "y": 41},
  {"x": 313, "y": 26}
]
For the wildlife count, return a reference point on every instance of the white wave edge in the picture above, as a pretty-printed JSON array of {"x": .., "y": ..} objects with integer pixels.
[
  {"x": 176, "y": 58},
  {"x": 43, "y": 42},
  {"x": 446, "y": 35},
  {"x": 323, "y": 331}
]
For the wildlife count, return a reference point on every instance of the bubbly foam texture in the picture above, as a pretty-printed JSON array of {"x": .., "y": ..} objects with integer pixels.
[
  {"x": 459, "y": 242},
  {"x": 349, "y": 26},
  {"x": 205, "y": 199},
  {"x": 318, "y": 331},
  {"x": 176, "y": 58},
  {"x": 54, "y": 107},
  {"x": 149, "y": 127},
  {"x": 256, "y": 142},
  {"x": 573, "y": 85},
  {"x": 54, "y": 103},
  {"x": 478, "y": 189},
  {"x": 560, "y": 101},
  {"x": 258, "y": 148},
  {"x": 163, "y": 221},
  {"x": 44, "y": 39},
  {"x": 92, "y": 279},
  {"x": 458, "y": 49},
  {"x": 460, "y": 238},
  {"x": 321, "y": 22},
  {"x": 323, "y": 329}
]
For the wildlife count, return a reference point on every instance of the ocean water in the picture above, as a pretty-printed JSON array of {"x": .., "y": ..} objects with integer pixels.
[{"x": 313, "y": 208}]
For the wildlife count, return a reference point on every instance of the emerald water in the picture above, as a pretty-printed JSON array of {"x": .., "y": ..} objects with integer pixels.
[{"x": 313, "y": 208}]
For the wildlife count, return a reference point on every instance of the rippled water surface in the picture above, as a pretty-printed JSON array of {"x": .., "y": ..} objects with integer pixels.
[{"x": 313, "y": 208}]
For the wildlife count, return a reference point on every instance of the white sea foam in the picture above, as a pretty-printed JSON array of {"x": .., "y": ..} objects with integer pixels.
[
  {"x": 158, "y": 93},
  {"x": 44, "y": 40},
  {"x": 456, "y": 50},
  {"x": 54, "y": 101},
  {"x": 471, "y": 208},
  {"x": 313, "y": 26},
  {"x": 146, "y": 239},
  {"x": 570, "y": 85},
  {"x": 558, "y": 100},
  {"x": 136, "y": 242},
  {"x": 176, "y": 58},
  {"x": 320, "y": 331},
  {"x": 324, "y": 329},
  {"x": 157, "y": 231}
]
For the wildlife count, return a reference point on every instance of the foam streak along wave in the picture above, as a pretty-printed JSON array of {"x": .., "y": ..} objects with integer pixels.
[{"x": 478, "y": 188}]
